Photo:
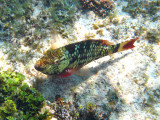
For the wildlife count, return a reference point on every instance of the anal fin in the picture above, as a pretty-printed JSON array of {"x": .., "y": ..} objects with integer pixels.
[{"x": 85, "y": 71}]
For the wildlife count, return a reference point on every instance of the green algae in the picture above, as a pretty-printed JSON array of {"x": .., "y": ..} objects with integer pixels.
[
  {"x": 8, "y": 110},
  {"x": 19, "y": 101}
]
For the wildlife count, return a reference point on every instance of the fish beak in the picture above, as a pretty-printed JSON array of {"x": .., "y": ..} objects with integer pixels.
[{"x": 38, "y": 67}]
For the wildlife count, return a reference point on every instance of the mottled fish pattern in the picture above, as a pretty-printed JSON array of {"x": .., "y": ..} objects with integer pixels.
[{"x": 65, "y": 60}]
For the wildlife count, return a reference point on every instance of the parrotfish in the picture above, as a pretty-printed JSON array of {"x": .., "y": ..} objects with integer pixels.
[{"x": 68, "y": 59}]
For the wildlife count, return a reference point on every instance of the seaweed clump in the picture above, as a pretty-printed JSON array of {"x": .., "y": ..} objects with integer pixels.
[
  {"x": 145, "y": 8},
  {"x": 17, "y": 99},
  {"x": 100, "y": 7}
]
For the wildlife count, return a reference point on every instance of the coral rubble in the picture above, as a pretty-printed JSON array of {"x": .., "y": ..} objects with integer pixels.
[
  {"x": 101, "y": 7},
  {"x": 66, "y": 110}
]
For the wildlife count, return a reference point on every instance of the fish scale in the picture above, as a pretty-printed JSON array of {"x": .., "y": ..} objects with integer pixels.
[{"x": 67, "y": 59}]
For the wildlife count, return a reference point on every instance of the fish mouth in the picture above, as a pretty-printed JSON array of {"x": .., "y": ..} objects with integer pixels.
[{"x": 37, "y": 67}]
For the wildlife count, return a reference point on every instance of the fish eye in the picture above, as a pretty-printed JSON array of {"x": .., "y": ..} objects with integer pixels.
[{"x": 56, "y": 61}]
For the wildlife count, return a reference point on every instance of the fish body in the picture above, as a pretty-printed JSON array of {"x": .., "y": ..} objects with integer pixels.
[{"x": 65, "y": 60}]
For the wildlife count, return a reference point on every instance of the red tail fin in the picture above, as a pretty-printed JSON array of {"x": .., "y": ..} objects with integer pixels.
[{"x": 129, "y": 44}]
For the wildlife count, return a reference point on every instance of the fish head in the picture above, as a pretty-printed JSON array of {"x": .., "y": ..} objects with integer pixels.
[
  {"x": 52, "y": 64},
  {"x": 51, "y": 67}
]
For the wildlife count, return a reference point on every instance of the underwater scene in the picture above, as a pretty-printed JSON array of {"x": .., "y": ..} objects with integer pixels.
[{"x": 79, "y": 59}]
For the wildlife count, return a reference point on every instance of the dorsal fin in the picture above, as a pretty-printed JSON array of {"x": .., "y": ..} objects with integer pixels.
[{"x": 106, "y": 42}]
